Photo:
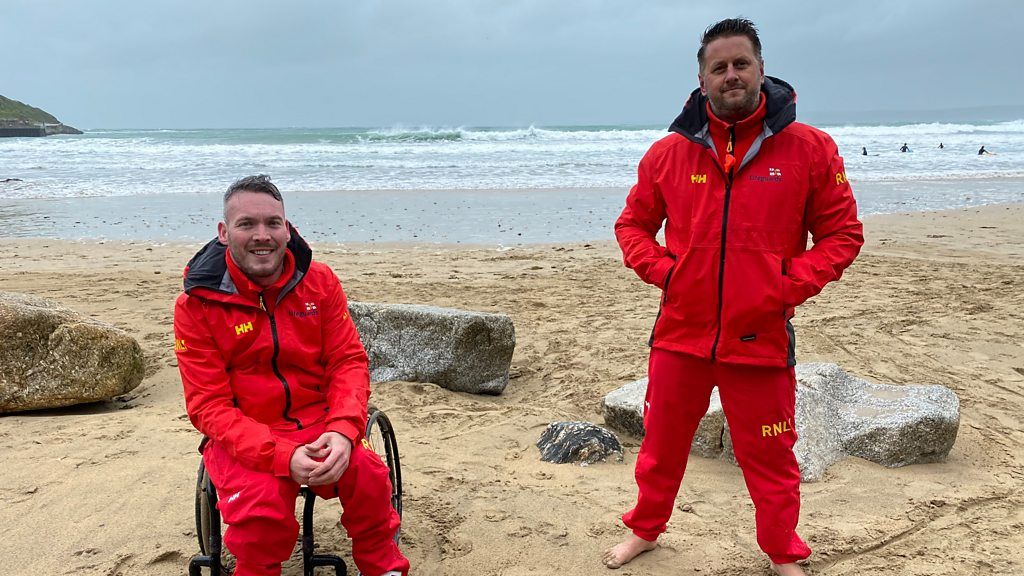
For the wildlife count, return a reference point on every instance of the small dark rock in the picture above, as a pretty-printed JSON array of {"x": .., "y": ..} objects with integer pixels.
[{"x": 581, "y": 442}]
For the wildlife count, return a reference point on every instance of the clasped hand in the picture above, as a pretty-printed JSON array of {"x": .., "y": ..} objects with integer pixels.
[{"x": 322, "y": 461}]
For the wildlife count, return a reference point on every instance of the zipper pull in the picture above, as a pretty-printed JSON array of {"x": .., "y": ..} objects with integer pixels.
[
  {"x": 730, "y": 160},
  {"x": 262, "y": 306}
]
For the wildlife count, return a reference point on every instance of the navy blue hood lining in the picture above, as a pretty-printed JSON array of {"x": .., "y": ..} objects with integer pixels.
[
  {"x": 207, "y": 269},
  {"x": 780, "y": 110}
]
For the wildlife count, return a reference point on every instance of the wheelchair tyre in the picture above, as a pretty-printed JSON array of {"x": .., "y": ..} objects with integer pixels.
[
  {"x": 203, "y": 509},
  {"x": 207, "y": 521},
  {"x": 381, "y": 436}
]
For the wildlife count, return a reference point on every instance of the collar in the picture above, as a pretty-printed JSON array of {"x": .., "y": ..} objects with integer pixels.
[
  {"x": 251, "y": 290},
  {"x": 732, "y": 141},
  {"x": 780, "y": 111},
  {"x": 751, "y": 125}
]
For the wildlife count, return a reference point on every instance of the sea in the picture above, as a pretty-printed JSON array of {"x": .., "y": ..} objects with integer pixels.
[{"x": 447, "y": 185}]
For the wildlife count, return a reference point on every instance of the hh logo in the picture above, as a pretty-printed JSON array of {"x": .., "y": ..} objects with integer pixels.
[
  {"x": 776, "y": 428},
  {"x": 179, "y": 345},
  {"x": 774, "y": 172},
  {"x": 698, "y": 178},
  {"x": 366, "y": 444},
  {"x": 243, "y": 328},
  {"x": 840, "y": 178}
]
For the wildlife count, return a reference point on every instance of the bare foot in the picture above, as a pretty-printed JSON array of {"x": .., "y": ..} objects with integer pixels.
[
  {"x": 791, "y": 569},
  {"x": 623, "y": 552}
]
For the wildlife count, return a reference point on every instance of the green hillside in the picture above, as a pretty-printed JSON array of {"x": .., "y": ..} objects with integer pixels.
[{"x": 14, "y": 110}]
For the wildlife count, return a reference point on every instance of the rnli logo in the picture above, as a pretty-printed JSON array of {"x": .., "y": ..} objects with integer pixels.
[
  {"x": 840, "y": 178},
  {"x": 179, "y": 345},
  {"x": 243, "y": 328},
  {"x": 776, "y": 428},
  {"x": 774, "y": 175},
  {"x": 310, "y": 310},
  {"x": 698, "y": 178}
]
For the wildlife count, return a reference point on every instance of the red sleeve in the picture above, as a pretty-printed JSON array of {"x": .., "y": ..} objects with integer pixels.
[
  {"x": 638, "y": 225},
  {"x": 347, "y": 375},
  {"x": 209, "y": 400},
  {"x": 837, "y": 234}
]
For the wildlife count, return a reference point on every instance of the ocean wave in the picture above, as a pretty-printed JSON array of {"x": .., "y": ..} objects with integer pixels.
[
  {"x": 530, "y": 133},
  {"x": 932, "y": 129}
]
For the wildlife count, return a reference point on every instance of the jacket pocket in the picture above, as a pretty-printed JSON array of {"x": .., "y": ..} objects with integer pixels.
[
  {"x": 664, "y": 299},
  {"x": 753, "y": 312}
]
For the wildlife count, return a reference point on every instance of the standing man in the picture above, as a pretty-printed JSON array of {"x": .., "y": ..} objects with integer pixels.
[
  {"x": 738, "y": 185},
  {"x": 276, "y": 378}
]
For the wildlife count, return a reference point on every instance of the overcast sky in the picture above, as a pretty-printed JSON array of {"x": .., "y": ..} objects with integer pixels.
[{"x": 185, "y": 63}]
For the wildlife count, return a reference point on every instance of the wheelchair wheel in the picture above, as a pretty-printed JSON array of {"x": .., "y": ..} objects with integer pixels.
[
  {"x": 381, "y": 437},
  {"x": 208, "y": 525},
  {"x": 203, "y": 488}
]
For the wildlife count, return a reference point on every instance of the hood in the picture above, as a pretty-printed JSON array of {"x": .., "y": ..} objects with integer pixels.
[
  {"x": 780, "y": 111},
  {"x": 208, "y": 269}
]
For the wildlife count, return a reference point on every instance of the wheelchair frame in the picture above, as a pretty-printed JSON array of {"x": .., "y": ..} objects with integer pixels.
[{"x": 208, "y": 522}]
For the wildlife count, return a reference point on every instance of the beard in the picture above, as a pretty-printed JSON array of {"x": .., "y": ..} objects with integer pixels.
[{"x": 733, "y": 106}]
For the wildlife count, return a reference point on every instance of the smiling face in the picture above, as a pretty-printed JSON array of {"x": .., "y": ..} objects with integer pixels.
[
  {"x": 731, "y": 77},
  {"x": 256, "y": 234}
]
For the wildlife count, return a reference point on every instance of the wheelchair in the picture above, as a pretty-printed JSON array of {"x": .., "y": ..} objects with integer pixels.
[{"x": 380, "y": 435}]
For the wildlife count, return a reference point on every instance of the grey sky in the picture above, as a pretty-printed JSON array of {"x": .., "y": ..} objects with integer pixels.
[{"x": 176, "y": 64}]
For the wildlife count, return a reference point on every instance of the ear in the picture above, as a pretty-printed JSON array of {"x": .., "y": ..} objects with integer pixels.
[
  {"x": 762, "y": 71},
  {"x": 288, "y": 226},
  {"x": 222, "y": 232},
  {"x": 700, "y": 80}
]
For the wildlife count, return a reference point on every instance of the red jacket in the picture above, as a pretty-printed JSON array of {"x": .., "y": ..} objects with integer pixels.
[
  {"x": 735, "y": 261},
  {"x": 256, "y": 361}
]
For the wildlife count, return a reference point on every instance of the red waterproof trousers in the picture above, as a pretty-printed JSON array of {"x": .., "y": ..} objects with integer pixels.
[
  {"x": 759, "y": 403},
  {"x": 259, "y": 509}
]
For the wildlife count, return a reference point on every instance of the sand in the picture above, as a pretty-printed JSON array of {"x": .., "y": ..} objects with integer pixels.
[{"x": 935, "y": 298}]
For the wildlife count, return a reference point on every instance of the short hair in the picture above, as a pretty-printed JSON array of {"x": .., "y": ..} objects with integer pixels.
[
  {"x": 259, "y": 183},
  {"x": 726, "y": 28}
]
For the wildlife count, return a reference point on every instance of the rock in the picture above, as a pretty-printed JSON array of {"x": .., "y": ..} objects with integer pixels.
[
  {"x": 51, "y": 356},
  {"x": 623, "y": 411},
  {"x": 582, "y": 442},
  {"x": 891, "y": 425},
  {"x": 837, "y": 415},
  {"x": 623, "y": 408},
  {"x": 457, "y": 349}
]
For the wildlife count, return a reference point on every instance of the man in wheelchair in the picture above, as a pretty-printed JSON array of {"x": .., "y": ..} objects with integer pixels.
[{"x": 276, "y": 379}]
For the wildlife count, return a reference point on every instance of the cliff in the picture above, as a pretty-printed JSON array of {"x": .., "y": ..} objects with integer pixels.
[{"x": 18, "y": 116}]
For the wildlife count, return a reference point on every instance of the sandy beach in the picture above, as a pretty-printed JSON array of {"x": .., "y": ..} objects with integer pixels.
[{"x": 935, "y": 298}]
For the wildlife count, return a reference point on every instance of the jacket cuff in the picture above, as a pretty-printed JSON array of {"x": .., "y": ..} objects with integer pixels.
[
  {"x": 346, "y": 429},
  {"x": 283, "y": 451},
  {"x": 659, "y": 272},
  {"x": 792, "y": 292}
]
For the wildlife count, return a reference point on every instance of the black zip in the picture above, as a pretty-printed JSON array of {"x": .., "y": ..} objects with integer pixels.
[
  {"x": 664, "y": 297},
  {"x": 725, "y": 227},
  {"x": 273, "y": 364}
]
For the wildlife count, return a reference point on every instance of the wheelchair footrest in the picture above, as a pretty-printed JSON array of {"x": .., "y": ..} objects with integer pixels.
[{"x": 326, "y": 560}]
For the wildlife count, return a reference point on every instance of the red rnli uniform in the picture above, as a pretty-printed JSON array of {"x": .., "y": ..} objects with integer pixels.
[
  {"x": 265, "y": 370},
  {"x": 737, "y": 203}
]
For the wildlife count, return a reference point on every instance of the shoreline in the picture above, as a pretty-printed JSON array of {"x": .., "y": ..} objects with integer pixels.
[
  {"x": 386, "y": 246},
  {"x": 484, "y": 217}
]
